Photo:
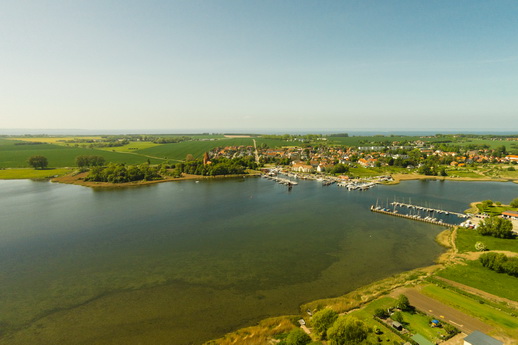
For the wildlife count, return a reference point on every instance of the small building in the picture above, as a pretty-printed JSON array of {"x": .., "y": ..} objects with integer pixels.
[
  {"x": 397, "y": 325},
  {"x": 479, "y": 338},
  {"x": 510, "y": 215},
  {"x": 418, "y": 338}
]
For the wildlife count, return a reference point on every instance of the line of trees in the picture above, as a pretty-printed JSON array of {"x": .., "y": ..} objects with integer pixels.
[
  {"x": 500, "y": 263},
  {"x": 89, "y": 161},
  {"x": 120, "y": 173}
]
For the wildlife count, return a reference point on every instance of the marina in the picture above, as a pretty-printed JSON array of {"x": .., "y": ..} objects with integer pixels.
[{"x": 427, "y": 219}]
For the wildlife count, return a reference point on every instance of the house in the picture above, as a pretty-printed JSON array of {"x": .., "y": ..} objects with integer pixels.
[
  {"x": 510, "y": 215},
  {"x": 512, "y": 158},
  {"x": 479, "y": 338},
  {"x": 301, "y": 167}
]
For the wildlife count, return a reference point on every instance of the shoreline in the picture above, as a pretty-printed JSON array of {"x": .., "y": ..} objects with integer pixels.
[{"x": 410, "y": 177}]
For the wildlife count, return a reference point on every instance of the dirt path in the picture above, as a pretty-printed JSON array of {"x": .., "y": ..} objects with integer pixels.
[{"x": 432, "y": 307}]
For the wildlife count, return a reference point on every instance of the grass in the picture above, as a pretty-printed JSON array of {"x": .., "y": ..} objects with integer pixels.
[
  {"x": 466, "y": 240},
  {"x": 10, "y": 174},
  {"x": 16, "y": 156},
  {"x": 494, "y": 210},
  {"x": 482, "y": 311},
  {"x": 460, "y": 172},
  {"x": 366, "y": 315},
  {"x": 475, "y": 275},
  {"x": 418, "y": 323}
]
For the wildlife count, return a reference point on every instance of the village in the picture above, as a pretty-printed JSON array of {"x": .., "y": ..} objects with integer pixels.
[{"x": 315, "y": 161}]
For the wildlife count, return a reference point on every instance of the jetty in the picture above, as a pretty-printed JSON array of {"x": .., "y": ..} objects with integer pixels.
[
  {"x": 394, "y": 213},
  {"x": 428, "y": 209},
  {"x": 281, "y": 180}
]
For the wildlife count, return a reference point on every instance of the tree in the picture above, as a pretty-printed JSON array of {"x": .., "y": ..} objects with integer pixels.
[
  {"x": 403, "y": 303},
  {"x": 397, "y": 316},
  {"x": 381, "y": 313},
  {"x": 322, "y": 320},
  {"x": 38, "y": 162},
  {"x": 487, "y": 203},
  {"x": 496, "y": 227},
  {"x": 348, "y": 330},
  {"x": 514, "y": 203},
  {"x": 297, "y": 337}
]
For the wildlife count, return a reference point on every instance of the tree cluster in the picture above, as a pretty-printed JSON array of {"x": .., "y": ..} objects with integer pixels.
[
  {"x": 514, "y": 203},
  {"x": 220, "y": 166},
  {"x": 339, "y": 330},
  {"x": 496, "y": 227},
  {"x": 500, "y": 263},
  {"x": 89, "y": 161},
  {"x": 120, "y": 173}
]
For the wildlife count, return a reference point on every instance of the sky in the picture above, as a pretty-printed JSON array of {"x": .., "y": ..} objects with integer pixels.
[{"x": 237, "y": 65}]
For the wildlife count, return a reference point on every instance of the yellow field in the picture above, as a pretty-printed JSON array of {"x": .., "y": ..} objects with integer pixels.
[
  {"x": 14, "y": 174},
  {"x": 54, "y": 140},
  {"x": 131, "y": 147}
]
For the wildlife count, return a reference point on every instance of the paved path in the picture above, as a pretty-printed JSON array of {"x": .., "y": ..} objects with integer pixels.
[{"x": 432, "y": 307}]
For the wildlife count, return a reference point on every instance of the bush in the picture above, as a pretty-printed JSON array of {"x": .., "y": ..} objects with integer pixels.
[
  {"x": 297, "y": 337},
  {"x": 322, "y": 320}
]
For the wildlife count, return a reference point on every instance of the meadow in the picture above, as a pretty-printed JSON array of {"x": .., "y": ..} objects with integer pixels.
[
  {"x": 33, "y": 174},
  {"x": 472, "y": 307},
  {"x": 466, "y": 240},
  {"x": 16, "y": 156},
  {"x": 475, "y": 275}
]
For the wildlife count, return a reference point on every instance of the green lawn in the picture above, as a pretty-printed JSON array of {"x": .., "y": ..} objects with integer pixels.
[
  {"x": 29, "y": 173},
  {"x": 466, "y": 240},
  {"x": 475, "y": 275},
  {"x": 461, "y": 172},
  {"x": 420, "y": 324},
  {"x": 470, "y": 306}
]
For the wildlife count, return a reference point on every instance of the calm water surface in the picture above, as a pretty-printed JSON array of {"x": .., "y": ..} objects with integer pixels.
[{"x": 180, "y": 263}]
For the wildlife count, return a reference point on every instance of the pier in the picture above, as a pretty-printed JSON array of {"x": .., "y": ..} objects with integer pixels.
[
  {"x": 413, "y": 217},
  {"x": 428, "y": 209}
]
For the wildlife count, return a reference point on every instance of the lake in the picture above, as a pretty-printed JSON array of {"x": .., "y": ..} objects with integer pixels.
[{"x": 184, "y": 262}]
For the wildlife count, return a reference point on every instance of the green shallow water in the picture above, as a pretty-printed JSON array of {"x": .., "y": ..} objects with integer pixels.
[{"x": 180, "y": 263}]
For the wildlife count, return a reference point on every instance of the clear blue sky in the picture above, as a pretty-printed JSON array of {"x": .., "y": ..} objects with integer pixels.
[{"x": 259, "y": 65}]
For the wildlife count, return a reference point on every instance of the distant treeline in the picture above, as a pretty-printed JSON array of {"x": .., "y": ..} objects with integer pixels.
[{"x": 30, "y": 143}]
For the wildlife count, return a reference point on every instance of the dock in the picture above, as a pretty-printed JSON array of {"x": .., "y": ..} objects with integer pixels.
[
  {"x": 428, "y": 209},
  {"x": 428, "y": 220}
]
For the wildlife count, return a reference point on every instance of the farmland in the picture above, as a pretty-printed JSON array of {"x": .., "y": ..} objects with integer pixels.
[{"x": 15, "y": 156}]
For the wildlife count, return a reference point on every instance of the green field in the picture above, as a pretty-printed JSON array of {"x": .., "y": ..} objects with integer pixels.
[
  {"x": 16, "y": 156},
  {"x": 29, "y": 173},
  {"x": 470, "y": 306},
  {"x": 466, "y": 240},
  {"x": 475, "y": 275}
]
